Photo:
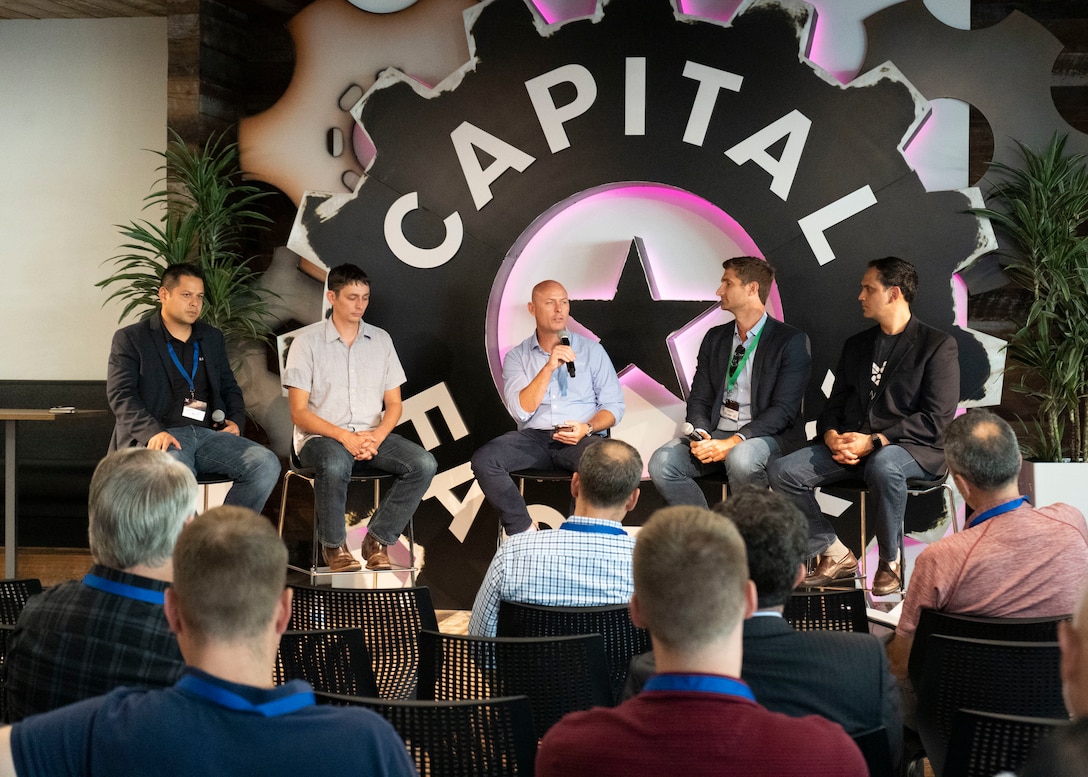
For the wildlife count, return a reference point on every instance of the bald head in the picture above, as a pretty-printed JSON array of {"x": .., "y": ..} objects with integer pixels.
[
  {"x": 982, "y": 449},
  {"x": 550, "y": 307}
]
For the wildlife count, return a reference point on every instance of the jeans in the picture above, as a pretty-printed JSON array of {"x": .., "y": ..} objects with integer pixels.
[
  {"x": 333, "y": 465},
  {"x": 673, "y": 468},
  {"x": 885, "y": 472},
  {"x": 493, "y": 462},
  {"x": 253, "y": 468}
]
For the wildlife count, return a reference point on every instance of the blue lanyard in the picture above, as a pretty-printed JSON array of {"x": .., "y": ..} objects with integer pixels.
[
  {"x": 1007, "y": 507},
  {"x": 148, "y": 595},
  {"x": 592, "y": 528},
  {"x": 702, "y": 683},
  {"x": 233, "y": 701},
  {"x": 190, "y": 378}
]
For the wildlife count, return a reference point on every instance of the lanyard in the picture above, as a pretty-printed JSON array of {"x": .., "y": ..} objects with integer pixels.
[
  {"x": 731, "y": 378},
  {"x": 1002, "y": 508},
  {"x": 592, "y": 528},
  {"x": 217, "y": 694},
  {"x": 189, "y": 378},
  {"x": 702, "y": 683},
  {"x": 123, "y": 589}
]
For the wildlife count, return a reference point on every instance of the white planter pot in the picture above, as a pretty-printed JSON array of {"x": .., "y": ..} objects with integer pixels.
[{"x": 1046, "y": 482}]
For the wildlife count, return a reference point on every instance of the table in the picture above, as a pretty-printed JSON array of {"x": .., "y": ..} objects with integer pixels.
[{"x": 11, "y": 417}]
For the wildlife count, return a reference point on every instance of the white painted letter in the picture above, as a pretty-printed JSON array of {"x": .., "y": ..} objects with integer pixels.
[
  {"x": 550, "y": 116},
  {"x": 815, "y": 224},
  {"x": 437, "y": 397},
  {"x": 466, "y": 139},
  {"x": 413, "y": 255},
  {"x": 634, "y": 98},
  {"x": 794, "y": 126},
  {"x": 711, "y": 81}
]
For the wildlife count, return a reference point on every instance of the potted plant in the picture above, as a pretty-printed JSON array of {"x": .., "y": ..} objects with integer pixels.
[
  {"x": 1042, "y": 206},
  {"x": 206, "y": 211}
]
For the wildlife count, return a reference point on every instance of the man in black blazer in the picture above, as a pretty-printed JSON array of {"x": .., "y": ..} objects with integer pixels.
[
  {"x": 171, "y": 388},
  {"x": 841, "y": 676},
  {"x": 745, "y": 400},
  {"x": 896, "y": 388}
]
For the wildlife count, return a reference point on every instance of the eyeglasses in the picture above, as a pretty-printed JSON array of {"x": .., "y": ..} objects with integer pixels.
[{"x": 737, "y": 356}]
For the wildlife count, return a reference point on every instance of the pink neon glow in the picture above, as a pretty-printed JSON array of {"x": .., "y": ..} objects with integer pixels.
[{"x": 562, "y": 10}]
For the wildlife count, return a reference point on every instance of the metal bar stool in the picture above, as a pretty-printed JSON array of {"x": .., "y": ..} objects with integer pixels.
[
  {"x": 376, "y": 478},
  {"x": 210, "y": 480}
]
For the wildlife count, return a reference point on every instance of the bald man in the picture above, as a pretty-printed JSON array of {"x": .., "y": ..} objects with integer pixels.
[{"x": 562, "y": 392}]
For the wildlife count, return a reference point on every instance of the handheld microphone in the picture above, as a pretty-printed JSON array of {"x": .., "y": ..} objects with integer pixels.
[
  {"x": 689, "y": 431},
  {"x": 218, "y": 419},
  {"x": 564, "y": 339}
]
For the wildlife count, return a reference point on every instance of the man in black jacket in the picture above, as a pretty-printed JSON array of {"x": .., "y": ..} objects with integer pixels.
[
  {"x": 896, "y": 388},
  {"x": 171, "y": 388}
]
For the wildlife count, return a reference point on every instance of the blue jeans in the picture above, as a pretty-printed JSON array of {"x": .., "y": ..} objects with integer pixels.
[
  {"x": 253, "y": 468},
  {"x": 333, "y": 465},
  {"x": 885, "y": 472},
  {"x": 493, "y": 462},
  {"x": 673, "y": 468}
]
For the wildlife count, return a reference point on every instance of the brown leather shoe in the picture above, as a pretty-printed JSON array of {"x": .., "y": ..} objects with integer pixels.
[
  {"x": 828, "y": 569},
  {"x": 887, "y": 579},
  {"x": 340, "y": 559},
  {"x": 374, "y": 553}
]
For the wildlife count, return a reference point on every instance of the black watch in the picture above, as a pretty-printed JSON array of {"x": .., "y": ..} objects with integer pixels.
[{"x": 877, "y": 442}]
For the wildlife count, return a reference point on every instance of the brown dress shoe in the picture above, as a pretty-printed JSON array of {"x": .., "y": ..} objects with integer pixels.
[
  {"x": 375, "y": 555},
  {"x": 828, "y": 569},
  {"x": 340, "y": 559},
  {"x": 887, "y": 579}
]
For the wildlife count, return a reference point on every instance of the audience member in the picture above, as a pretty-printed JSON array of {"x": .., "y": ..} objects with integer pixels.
[
  {"x": 745, "y": 400},
  {"x": 85, "y": 637},
  {"x": 171, "y": 388},
  {"x": 587, "y": 560},
  {"x": 1011, "y": 559},
  {"x": 228, "y": 607},
  {"x": 838, "y": 675},
  {"x": 695, "y": 717},
  {"x": 562, "y": 391},
  {"x": 343, "y": 382},
  {"x": 896, "y": 388}
]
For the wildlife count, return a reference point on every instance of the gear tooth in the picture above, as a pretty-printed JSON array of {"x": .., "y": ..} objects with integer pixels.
[{"x": 978, "y": 67}]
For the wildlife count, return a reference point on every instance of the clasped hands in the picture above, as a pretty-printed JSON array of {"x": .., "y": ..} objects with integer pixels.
[
  {"x": 848, "y": 448},
  {"x": 709, "y": 450},
  {"x": 571, "y": 432},
  {"x": 363, "y": 445}
]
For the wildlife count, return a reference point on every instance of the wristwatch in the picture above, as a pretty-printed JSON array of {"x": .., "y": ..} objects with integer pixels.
[
  {"x": 589, "y": 428},
  {"x": 877, "y": 442}
]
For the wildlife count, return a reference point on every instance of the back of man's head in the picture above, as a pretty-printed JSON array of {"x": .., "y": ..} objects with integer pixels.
[
  {"x": 608, "y": 473},
  {"x": 139, "y": 500},
  {"x": 230, "y": 568},
  {"x": 775, "y": 536},
  {"x": 690, "y": 573},
  {"x": 981, "y": 448}
]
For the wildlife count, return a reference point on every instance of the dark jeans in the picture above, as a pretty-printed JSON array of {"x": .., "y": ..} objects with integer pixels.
[
  {"x": 525, "y": 449},
  {"x": 253, "y": 468}
]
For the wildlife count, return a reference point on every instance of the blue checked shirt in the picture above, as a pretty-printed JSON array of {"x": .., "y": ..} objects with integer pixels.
[{"x": 556, "y": 567}]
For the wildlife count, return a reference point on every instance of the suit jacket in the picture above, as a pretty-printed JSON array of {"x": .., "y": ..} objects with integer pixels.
[
  {"x": 138, "y": 380},
  {"x": 838, "y": 675},
  {"x": 780, "y": 372},
  {"x": 917, "y": 397}
]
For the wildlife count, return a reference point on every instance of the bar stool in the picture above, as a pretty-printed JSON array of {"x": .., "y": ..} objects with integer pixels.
[
  {"x": 537, "y": 476},
  {"x": 307, "y": 474},
  {"x": 206, "y": 480}
]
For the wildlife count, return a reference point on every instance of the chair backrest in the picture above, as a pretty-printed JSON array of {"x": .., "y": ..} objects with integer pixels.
[
  {"x": 332, "y": 660},
  {"x": 1012, "y": 678},
  {"x": 459, "y": 738},
  {"x": 5, "y": 637},
  {"x": 982, "y": 744},
  {"x": 13, "y": 597},
  {"x": 558, "y": 674},
  {"x": 979, "y": 627},
  {"x": 390, "y": 619},
  {"x": 622, "y": 640},
  {"x": 827, "y": 610},
  {"x": 874, "y": 746}
]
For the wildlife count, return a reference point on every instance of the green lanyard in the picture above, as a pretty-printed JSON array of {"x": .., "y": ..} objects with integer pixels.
[{"x": 731, "y": 378}]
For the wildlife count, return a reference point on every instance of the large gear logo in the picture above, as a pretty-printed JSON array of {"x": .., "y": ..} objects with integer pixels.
[{"x": 544, "y": 118}]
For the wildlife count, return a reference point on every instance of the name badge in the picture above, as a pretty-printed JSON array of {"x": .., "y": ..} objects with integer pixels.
[
  {"x": 731, "y": 410},
  {"x": 194, "y": 409}
]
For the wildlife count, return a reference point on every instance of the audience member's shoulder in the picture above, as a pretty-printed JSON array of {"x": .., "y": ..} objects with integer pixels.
[{"x": 1063, "y": 512}]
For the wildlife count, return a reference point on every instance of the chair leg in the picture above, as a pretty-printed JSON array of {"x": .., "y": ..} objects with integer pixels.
[{"x": 864, "y": 543}]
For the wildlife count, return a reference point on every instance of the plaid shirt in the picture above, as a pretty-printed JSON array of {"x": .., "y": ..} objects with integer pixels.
[
  {"x": 73, "y": 642},
  {"x": 556, "y": 567}
]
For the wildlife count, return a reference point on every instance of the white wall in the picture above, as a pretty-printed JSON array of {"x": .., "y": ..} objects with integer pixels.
[{"x": 80, "y": 100}]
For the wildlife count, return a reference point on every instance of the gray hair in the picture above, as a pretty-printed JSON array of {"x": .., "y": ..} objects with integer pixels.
[
  {"x": 981, "y": 448},
  {"x": 139, "y": 501}
]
